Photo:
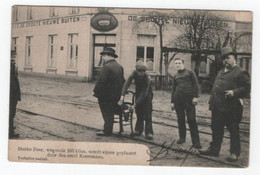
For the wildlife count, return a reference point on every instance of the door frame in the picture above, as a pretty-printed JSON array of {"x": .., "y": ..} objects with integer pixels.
[{"x": 94, "y": 44}]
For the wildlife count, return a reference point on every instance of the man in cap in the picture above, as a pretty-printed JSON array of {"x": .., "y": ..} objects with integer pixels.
[
  {"x": 108, "y": 89},
  {"x": 15, "y": 96},
  {"x": 184, "y": 97},
  {"x": 230, "y": 86},
  {"x": 144, "y": 97}
]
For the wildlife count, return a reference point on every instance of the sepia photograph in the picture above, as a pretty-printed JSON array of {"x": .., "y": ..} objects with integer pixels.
[
  {"x": 129, "y": 87},
  {"x": 176, "y": 81}
]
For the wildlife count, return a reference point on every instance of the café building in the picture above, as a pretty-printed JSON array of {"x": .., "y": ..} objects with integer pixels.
[{"x": 66, "y": 41}]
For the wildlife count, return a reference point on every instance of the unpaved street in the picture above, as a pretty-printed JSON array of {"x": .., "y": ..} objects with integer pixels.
[{"x": 65, "y": 110}]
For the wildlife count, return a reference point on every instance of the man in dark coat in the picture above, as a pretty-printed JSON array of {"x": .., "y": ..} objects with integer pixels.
[
  {"x": 185, "y": 92},
  {"x": 15, "y": 96},
  {"x": 144, "y": 97},
  {"x": 226, "y": 104},
  {"x": 108, "y": 89}
]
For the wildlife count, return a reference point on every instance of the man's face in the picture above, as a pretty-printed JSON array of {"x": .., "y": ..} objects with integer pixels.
[
  {"x": 141, "y": 73},
  {"x": 229, "y": 61},
  {"x": 106, "y": 57},
  {"x": 179, "y": 64}
]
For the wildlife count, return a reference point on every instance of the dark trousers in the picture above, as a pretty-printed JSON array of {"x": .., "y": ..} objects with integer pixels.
[
  {"x": 144, "y": 114},
  {"x": 183, "y": 103},
  {"x": 231, "y": 120},
  {"x": 108, "y": 109},
  {"x": 12, "y": 112}
]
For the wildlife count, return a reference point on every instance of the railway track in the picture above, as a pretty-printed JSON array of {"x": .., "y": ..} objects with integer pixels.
[
  {"x": 151, "y": 143},
  {"x": 198, "y": 116},
  {"x": 94, "y": 104}
]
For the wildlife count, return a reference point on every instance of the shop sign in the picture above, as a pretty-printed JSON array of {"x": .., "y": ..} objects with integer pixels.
[
  {"x": 176, "y": 21},
  {"x": 44, "y": 22},
  {"x": 104, "y": 22}
]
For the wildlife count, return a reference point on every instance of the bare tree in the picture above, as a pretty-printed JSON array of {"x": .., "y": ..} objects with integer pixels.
[
  {"x": 203, "y": 31},
  {"x": 159, "y": 20}
]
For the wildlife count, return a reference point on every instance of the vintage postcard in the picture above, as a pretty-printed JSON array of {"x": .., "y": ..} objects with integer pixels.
[{"x": 130, "y": 86}]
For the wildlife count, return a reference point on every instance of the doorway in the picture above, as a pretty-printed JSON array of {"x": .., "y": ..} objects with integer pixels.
[{"x": 101, "y": 41}]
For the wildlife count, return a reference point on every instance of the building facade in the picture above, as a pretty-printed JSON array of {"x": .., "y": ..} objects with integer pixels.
[{"x": 67, "y": 40}]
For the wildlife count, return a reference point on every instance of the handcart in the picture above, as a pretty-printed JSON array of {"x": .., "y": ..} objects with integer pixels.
[{"x": 125, "y": 117}]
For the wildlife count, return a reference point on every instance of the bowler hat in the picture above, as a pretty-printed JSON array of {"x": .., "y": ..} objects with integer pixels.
[
  {"x": 109, "y": 51},
  {"x": 226, "y": 51}
]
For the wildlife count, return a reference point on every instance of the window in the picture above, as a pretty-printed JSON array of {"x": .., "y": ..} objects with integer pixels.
[
  {"x": 145, "y": 50},
  {"x": 140, "y": 53},
  {"x": 52, "y": 51},
  {"x": 28, "y": 51},
  {"x": 29, "y": 13},
  {"x": 14, "y": 48},
  {"x": 241, "y": 60},
  {"x": 53, "y": 12},
  {"x": 15, "y": 13},
  {"x": 73, "y": 51},
  {"x": 203, "y": 67},
  {"x": 14, "y": 44},
  {"x": 247, "y": 64},
  {"x": 203, "y": 64},
  {"x": 74, "y": 10},
  {"x": 244, "y": 63}
]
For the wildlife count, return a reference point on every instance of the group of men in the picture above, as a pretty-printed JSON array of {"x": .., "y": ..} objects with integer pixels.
[
  {"x": 231, "y": 85},
  {"x": 111, "y": 88}
]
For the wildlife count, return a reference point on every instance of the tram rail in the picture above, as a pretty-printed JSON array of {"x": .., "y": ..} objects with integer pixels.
[{"x": 152, "y": 143}]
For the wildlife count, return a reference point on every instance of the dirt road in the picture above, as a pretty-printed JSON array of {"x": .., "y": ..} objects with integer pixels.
[{"x": 63, "y": 110}]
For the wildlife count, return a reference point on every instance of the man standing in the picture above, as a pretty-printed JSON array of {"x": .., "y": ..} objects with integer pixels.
[
  {"x": 144, "y": 97},
  {"x": 185, "y": 92},
  {"x": 15, "y": 96},
  {"x": 230, "y": 86},
  {"x": 108, "y": 89}
]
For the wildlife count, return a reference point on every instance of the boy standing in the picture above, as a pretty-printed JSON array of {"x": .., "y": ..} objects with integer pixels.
[{"x": 184, "y": 97}]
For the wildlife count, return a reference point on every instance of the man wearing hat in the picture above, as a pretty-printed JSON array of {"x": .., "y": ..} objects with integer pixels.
[
  {"x": 184, "y": 98},
  {"x": 108, "y": 89},
  {"x": 230, "y": 86},
  {"x": 144, "y": 97}
]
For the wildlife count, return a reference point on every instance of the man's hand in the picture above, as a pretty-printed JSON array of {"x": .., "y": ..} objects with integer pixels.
[
  {"x": 121, "y": 101},
  {"x": 172, "y": 106},
  {"x": 132, "y": 108},
  {"x": 195, "y": 101},
  {"x": 229, "y": 94}
]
